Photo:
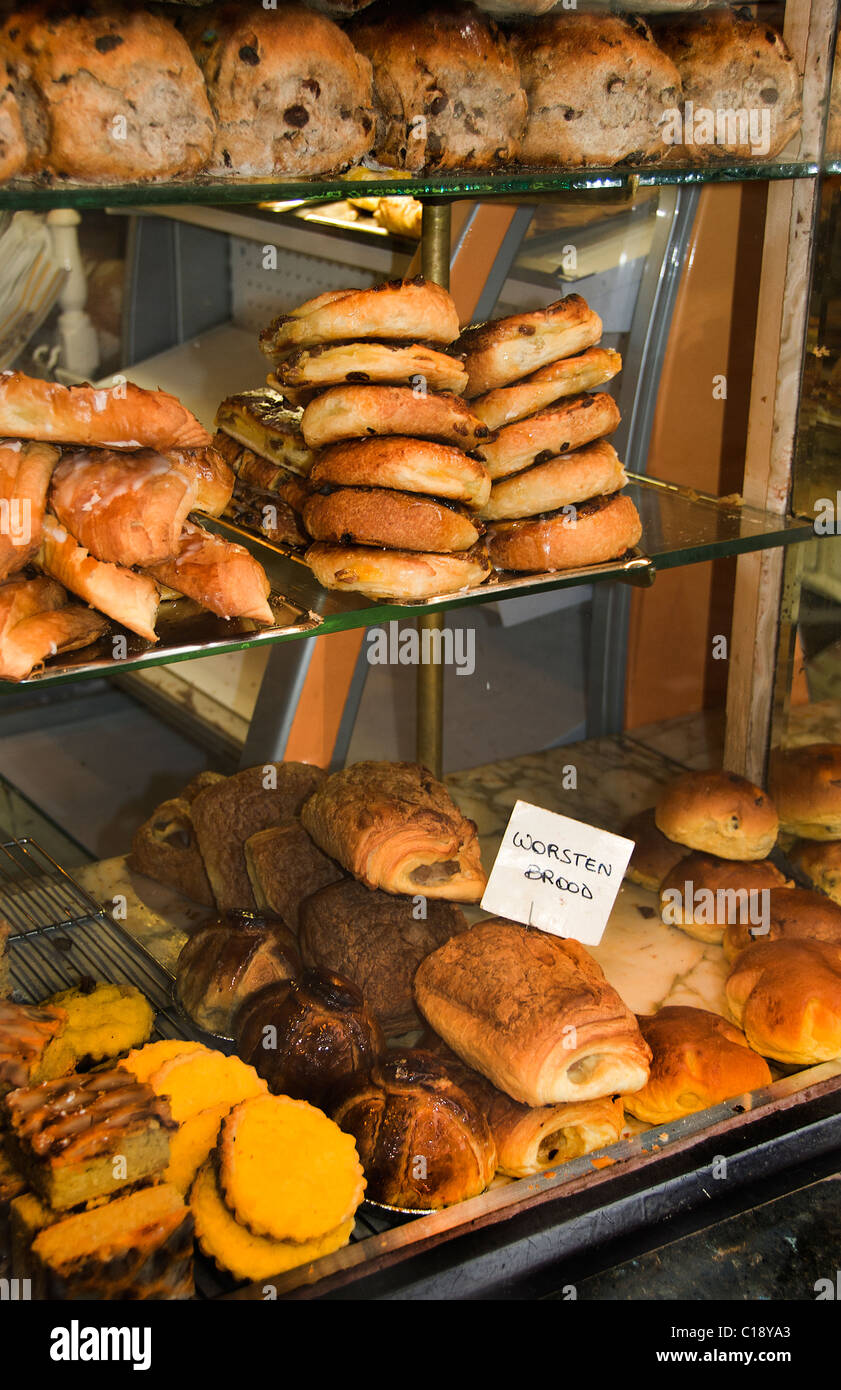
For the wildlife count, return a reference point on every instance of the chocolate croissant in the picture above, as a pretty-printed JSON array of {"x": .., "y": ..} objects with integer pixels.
[
  {"x": 424, "y": 1143},
  {"x": 303, "y": 1037},
  {"x": 395, "y": 827}
]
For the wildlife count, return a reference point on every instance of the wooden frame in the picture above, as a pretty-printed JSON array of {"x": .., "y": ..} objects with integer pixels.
[{"x": 775, "y": 397}]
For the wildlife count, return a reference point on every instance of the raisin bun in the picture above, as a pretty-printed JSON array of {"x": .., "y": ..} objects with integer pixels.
[
  {"x": 792, "y": 913},
  {"x": 120, "y": 95},
  {"x": 423, "y": 1141},
  {"x": 290, "y": 93},
  {"x": 718, "y": 813},
  {"x": 598, "y": 88},
  {"x": 446, "y": 88},
  {"x": 228, "y": 959},
  {"x": 14, "y": 153},
  {"x": 731, "y": 62},
  {"x": 805, "y": 783},
  {"x": 304, "y": 1036}
]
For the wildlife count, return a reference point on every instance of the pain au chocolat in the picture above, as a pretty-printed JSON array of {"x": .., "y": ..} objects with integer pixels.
[
  {"x": 533, "y": 1013},
  {"x": 395, "y": 827}
]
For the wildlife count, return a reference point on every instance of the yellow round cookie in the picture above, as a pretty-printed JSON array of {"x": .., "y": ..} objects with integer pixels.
[
  {"x": 286, "y": 1170},
  {"x": 143, "y": 1062},
  {"x": 235, "y": 1249}
]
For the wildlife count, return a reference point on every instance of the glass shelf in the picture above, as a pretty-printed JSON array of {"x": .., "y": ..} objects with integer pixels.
[
  {"x": 680, "y": 527},
  {"x": 34, "y": 195}
]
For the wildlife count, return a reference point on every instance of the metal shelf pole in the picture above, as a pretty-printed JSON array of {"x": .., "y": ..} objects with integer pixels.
[{"x": 435, "y": 263}]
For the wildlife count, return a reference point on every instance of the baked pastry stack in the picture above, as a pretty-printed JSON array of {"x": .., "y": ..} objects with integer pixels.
[
  {"x": 258, "y": 434},
  {"x": 108, "y": 479},
  {"x": 555, "y": 500},
  {"x": 394, "y": 490}
]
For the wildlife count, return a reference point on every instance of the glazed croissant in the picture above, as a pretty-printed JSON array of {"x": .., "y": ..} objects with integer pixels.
[
  {"x": 121, "y": 417},
  {"x": 218, "y": 574},
  {"x": 25, "y": 472},
  {"x": 395, "y": 827},
  {"x": 124, "y": 508}
]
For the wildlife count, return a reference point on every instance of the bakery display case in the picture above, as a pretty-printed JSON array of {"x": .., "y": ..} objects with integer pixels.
[{"x": 500, "y": 238}]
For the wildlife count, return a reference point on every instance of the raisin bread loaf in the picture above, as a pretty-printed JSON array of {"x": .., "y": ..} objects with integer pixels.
[
  {"x": 446, "y": 89},
  {"x": 598, "y": 90},
  {"x": 290, "y": 93}
]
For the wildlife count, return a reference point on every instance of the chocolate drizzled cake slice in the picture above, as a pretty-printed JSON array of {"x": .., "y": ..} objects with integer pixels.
[
  {"x": 26, "y": 1031},
  {"x": 84, "y": 1136}
]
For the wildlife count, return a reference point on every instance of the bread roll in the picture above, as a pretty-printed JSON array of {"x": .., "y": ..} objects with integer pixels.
[
  {"x": 411, "y": 465},
  {"x": 25, "y": 473},
  {"x": 504, "y": 350},
  {"x": 820, "y": 861},
  {"x": 719, "y": 813},
  {"x": 549, "y": 433},
  {"x": 354, "y": 412},
  {"x": 264, "y": 423},
  {"x": 405, "y": 309},
  {"x": 229, "y": 813},
  {"x": 786, "y": 996},
  {"x": 698, "y": 1060},
  {"x": 533, "y": 1013},
  {"x": 164, "y": 848},
  {"x": 304, "y": 1037},
  {"x": 703, "y": 894},
  {"x": 566, "y": 377},
  {"x": 122, "y": 97},
  {"x": 289, "y": 92},
  {"x": 792, "y": 913},
  {"x": 120, "y": 417},
  {"x": 569, "y": 479},
  {"x": 654, "y": 854},
  {"x": 376, "y": 940},
  {"x": 285, "y": 868},
  {"x": 598, "y": 89},
  {"x": 424, "y": 1144},
  {"x": 446, "y": 89},
  {"x": 805, "y": 783},
  {"x": 130, "y": 599},
  {"x": 404, "y": 575},
  {"x": 395, "y": 827},
  {"x": 592, "y": 533},
  {"x": 381, "y": 516},
  {"x": 729, "y": 62},
  {"x": 126, "y": 508},
  {"x": 397, "y": 364},
  {"x": 218, "y": 575}
]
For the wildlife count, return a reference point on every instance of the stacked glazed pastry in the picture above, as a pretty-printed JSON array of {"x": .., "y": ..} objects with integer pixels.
[
  {"x": 103, "y": 482},
  {"x": 258, "y": 434},
  {"x": 555, "y": 501},
  {"x": 394, "y": 494}
]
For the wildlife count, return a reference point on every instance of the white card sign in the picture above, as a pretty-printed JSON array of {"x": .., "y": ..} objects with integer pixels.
[{"x": 557, "y": 874}]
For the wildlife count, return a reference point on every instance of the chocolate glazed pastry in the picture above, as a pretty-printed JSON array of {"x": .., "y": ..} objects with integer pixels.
[
  {"x": 303, "y": 1037},
  {"x": 227, "y": 960},
  {"x": 423, "y": 1142}
]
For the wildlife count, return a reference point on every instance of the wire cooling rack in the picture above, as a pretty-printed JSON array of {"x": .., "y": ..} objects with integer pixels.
[{"x": 62, "y": 937}]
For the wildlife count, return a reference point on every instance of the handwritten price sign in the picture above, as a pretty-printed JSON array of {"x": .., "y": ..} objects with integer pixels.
[{"x": 557, "y": 874}]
